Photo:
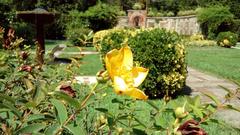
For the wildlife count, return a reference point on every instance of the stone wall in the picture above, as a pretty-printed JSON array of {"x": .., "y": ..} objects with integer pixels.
[{"x": 185, "y": 25}]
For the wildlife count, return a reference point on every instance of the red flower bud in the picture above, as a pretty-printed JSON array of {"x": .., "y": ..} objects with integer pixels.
[
  {"x": 26, "y": 68},
  {"x": 191, "y": 127},
  {"x": 24, "y": 55},
  {"x": 68, "y": 90}
]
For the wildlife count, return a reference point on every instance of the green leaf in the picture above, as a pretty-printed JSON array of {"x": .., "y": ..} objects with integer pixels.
[
  {"x": 161, "y": 121},
  {"x": 153, "y": 105},
  {"x": 212, "y": 97},
  {"x": 30, "y": 104},
  {"x": 7, "y": 98},
  {"x": 232, "y": 108},
  {"x": 71, "y": 101},
  {"x": 61, "y": 110},
  {"x": 37, "y": 134},
  {"x": 76, "y": 130},
  {"x": 40, "y": 92},
  {"x": 137, "y": 120},
  {"x": 34, "y": 117},
  {"x": 138, "y": 132},
  {"x": 197, "y": 101},
  {"x": 116, "y": 100},
  {"x": 33, "y": 128},
  {"x": 197, "y": 111},
  {"x": 11, "y": 108},
  {"x": 4, "y": 110},
  {"x": 52, "y": 130},
  {"x": 104, "y": 110}
]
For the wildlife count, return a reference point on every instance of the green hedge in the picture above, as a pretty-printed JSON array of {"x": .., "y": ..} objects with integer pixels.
[{"x": 156, "y": 49}]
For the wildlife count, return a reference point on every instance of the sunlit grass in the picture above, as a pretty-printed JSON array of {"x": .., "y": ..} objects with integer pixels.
[{"x": 223, "y": 62}]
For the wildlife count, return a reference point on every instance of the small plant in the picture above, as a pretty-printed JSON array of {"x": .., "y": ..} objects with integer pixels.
[
  {"x": 186, "y": 13},
  {"x": 121, "y": 13},
  {"x": 196, "y": 37},
  {"x": 201, "y": 43},
  {"x": 227, "y": 39},
  {"x": 138, "y": 6},
  {"x": 198, "y": 40}
]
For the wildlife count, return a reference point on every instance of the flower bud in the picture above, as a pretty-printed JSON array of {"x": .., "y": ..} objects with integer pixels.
[
  {"x": 119, "y": 130},
  {"x": 102, "y": 76},
  {"x": 68, "y": 90},
  {"x": 103, "y": 120},
  {"x": 26, "y": 68},
  {"x": 180, "y": 112},
  {"x": 24, "y": 55}
]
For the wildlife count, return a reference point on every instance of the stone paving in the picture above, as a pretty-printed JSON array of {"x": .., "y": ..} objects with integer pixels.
[{"x": 199, "y": 82}]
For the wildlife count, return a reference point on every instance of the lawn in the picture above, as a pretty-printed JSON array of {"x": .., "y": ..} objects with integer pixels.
[
  {"x": 223, "y": 62},
  {"x": 90, "y": 64}
]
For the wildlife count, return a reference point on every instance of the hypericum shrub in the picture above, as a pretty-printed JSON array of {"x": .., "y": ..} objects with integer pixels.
[
  {"x": 107, "y": 40},
  {"x": 227, "y": 39},
  {"x": 162, "y": 52},
  {"x": 157, "y": 49}
]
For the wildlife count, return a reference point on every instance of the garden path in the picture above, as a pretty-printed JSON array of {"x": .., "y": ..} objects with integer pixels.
[{"x": 199, "y": 82}]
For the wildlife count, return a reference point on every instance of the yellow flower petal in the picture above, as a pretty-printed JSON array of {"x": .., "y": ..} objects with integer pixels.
[
  {"x": 125, "y": 77},
  {"x": 136, "y": 93},
  {"x": 113, "y": 61},
  {"x": 119, "y": 84},
  {"x": 127, "y": 57},
  {"x": 139, "y": 74}
]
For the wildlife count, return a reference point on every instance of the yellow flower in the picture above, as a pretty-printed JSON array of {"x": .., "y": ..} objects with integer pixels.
[
  {"x": 226, "y": 42},
  {"x": 125, "y": 77}
]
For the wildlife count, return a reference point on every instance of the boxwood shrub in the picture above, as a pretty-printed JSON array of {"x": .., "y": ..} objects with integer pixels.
[
  {"x": 227, "y": 39},
  {"x": 157, "y": 49}
]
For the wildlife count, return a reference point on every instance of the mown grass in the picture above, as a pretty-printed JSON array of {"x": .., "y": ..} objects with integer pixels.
[
  {"x": 223, "y": 62},
  {"x": 89, "y": 64}
]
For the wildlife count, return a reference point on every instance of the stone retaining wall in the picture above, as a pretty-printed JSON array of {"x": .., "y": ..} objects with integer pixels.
[{"x": 185, "y": 25}]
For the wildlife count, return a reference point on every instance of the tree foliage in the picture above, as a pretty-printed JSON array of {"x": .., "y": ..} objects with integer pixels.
[{"x": 211, "y": 18}]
